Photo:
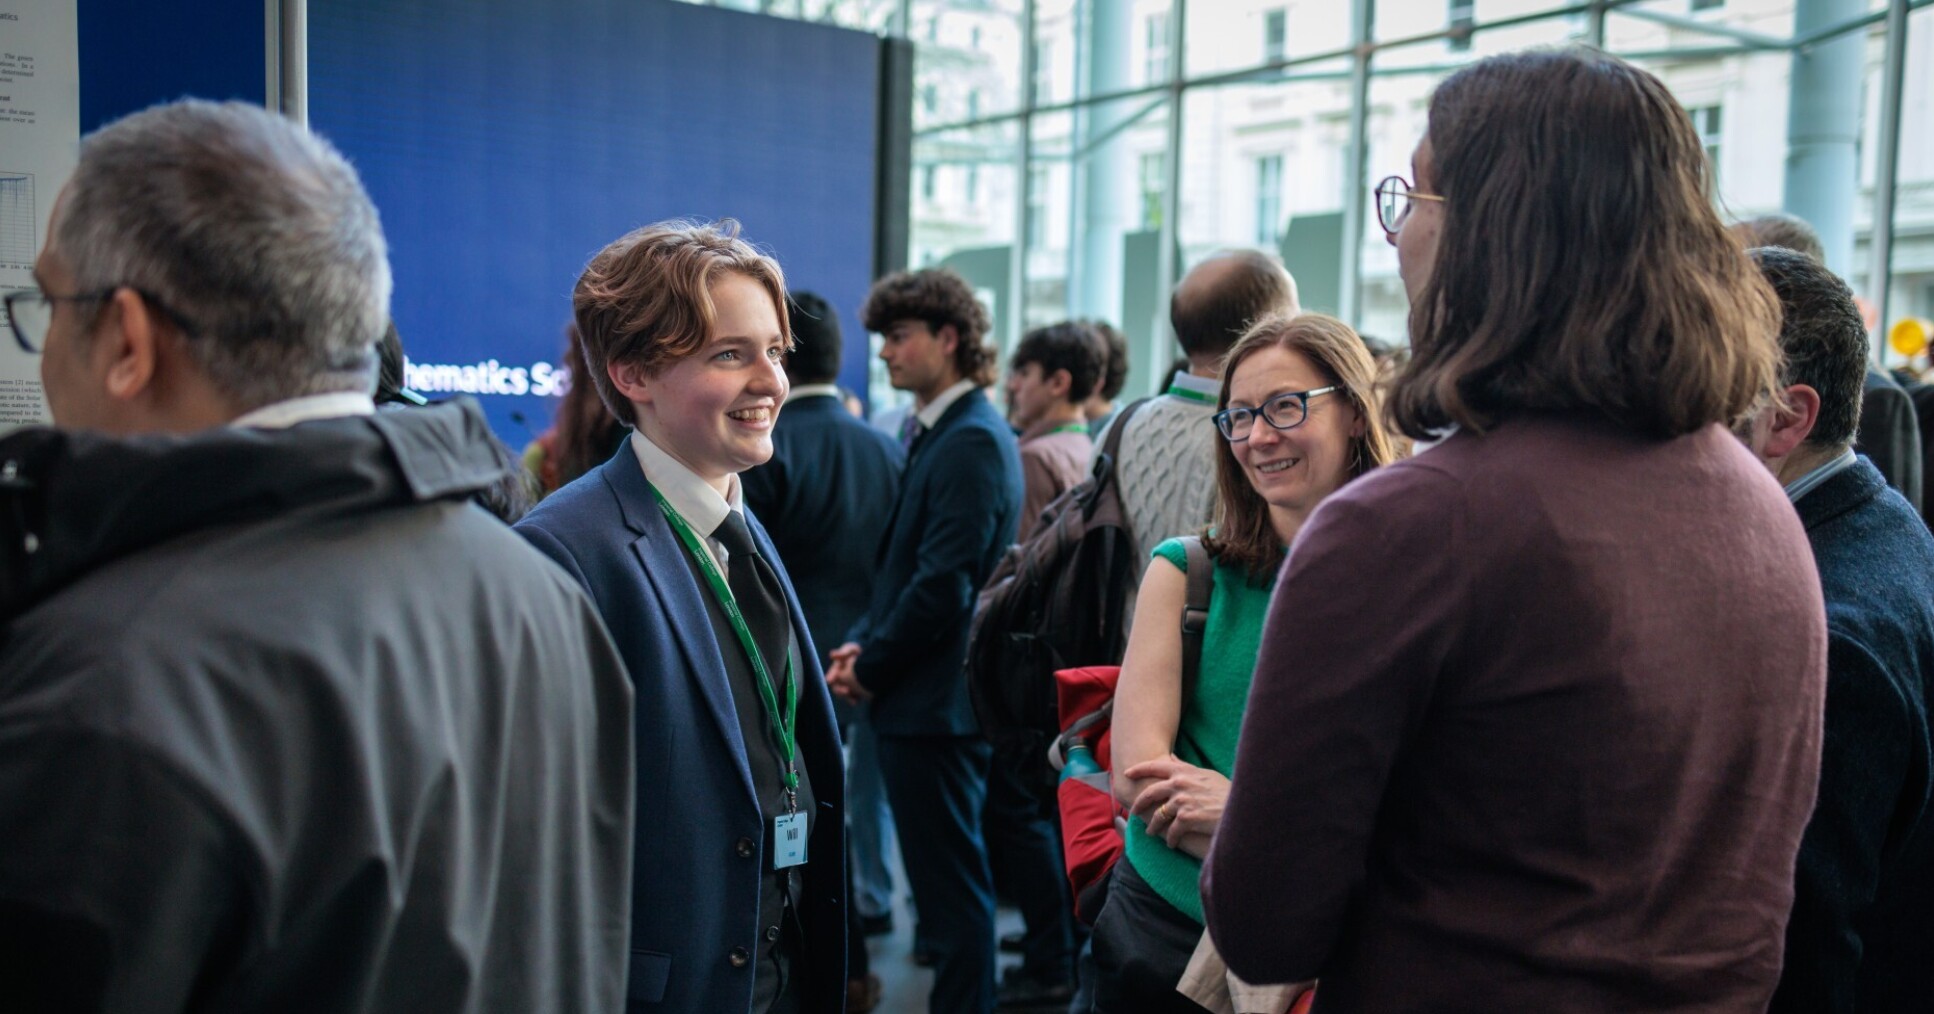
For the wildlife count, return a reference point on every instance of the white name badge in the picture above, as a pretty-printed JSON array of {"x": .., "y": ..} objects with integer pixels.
[{"x": 788, "y": 840}]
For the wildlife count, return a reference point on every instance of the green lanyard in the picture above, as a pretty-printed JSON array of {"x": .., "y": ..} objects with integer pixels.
[
  {"x": 788, "y": 724},
  {"x": 1073, "y": 427},
  {"x": 1182, "y": 392}
]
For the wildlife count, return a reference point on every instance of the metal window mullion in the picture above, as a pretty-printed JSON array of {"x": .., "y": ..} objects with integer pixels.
[
  {"x": 1167, "y": 263},
  {"x": 1015, "y": 312},
  {"x": 1356, "y": 187},
  {"x": 293, "y": 56},
  {"x": 1893, "y": 81},
  {"x": 1077, "y": 129}
]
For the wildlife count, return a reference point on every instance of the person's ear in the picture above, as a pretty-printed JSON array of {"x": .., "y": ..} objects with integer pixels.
[
  {"x": 631, "y": 381},
  {"x": 1792, "y": 424},
  {"x": 1060, "y": 383},
  {"x": 127, "y": 345},
  {"x": 949, "y": 338}
]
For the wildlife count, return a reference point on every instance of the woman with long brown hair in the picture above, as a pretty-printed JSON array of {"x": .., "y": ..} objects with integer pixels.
[
  {"x": 584, "y": 434},
  {"x": 1535, "y": 721},
  {"x": 1298, "y": 420}
]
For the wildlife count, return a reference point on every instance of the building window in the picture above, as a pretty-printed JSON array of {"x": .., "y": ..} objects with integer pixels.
[
  {"x": 1155, "y": 48},
  {"x": 930, "y": 99},
  {"x": 1463, "y": 15},
  {"x": 1043, "y": 83},
  {"x": 1275, "y": 34},
  {"x": 927, "y": 174},
  {"x": 1707, "y": 121},
  {"x": 973, "y": 104},
  {"x": 1153, "y": 178},
  {"x": 973, "y": 184},
  {"x": 1269, "y": 200},
  {"x": 1037, "y": 208}
]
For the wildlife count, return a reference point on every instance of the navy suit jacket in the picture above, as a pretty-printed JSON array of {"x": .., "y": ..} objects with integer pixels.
[
  {"x": 699, "y": 852},
  {"x": 1890, "y": 434},
  {"x": 959, "y": 506},
  {"x": 1861, "y": 936},
  {"x": 826, "y": 497}
]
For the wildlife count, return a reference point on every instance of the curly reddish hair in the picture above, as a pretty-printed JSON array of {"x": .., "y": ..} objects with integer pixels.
[{"x": 936, "y": 297}]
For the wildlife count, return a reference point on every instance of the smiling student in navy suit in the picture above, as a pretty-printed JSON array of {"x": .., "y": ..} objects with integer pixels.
[
  {"x": 738, "y": 884},
  {"x": 959, "y": 505}
]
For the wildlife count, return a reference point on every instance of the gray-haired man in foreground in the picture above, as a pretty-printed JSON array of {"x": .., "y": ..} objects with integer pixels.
[{"x": 286, "y": 722}]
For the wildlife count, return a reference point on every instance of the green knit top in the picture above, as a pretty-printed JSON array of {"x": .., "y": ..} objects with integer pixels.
[{"x": 1211, "y": 717}]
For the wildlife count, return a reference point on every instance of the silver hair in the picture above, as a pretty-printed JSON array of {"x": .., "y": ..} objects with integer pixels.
[{"x": 253, "y": 233}]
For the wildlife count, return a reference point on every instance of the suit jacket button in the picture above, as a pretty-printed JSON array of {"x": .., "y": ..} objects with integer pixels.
[
  {"x": 772, "y": 932},
  {"x": 745, "y": 848},
  {"x": 739, "y": 957}
]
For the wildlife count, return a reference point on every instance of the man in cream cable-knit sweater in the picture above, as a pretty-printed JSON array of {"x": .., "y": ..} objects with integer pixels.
[{"x": 1167, "y": 466}]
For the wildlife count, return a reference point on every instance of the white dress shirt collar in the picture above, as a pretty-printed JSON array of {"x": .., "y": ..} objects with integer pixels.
[
  {"x": 692, "y": 497},
  {"x": 930, "y": 414},
  {"x": 284, "y": 414},
  {"x": 1812, "y": 480}
]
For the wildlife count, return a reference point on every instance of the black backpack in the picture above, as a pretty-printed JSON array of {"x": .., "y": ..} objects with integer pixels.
[{"x": 1056, "y": 601}]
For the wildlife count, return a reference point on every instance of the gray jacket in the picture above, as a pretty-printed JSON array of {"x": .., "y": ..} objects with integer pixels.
[{"x": 287, "y": 723}]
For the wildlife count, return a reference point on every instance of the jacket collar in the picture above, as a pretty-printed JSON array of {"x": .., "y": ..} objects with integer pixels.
[
  {"x": 661, "y": 559},
  {"x": 931, "y": 414},
  {"x": 1847, "y": 491},
  {"x": 72, "y": 502}
]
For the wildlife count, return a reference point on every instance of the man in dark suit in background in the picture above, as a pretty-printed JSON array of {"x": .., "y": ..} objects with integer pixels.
[
  {"x": 826, "y": 496},
  {"x": 1890, "y": 433},
  {"x": 959, "y": 506},
  {"x": 829, "y": 489},
  {"x": 1863, "y": 900}
]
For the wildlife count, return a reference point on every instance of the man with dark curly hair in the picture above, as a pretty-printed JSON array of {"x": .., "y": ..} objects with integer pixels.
[{"x": 959, "y": 506}]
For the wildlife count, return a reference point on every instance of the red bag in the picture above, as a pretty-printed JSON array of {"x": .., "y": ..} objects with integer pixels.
[{"x": 1092, "y": 823}]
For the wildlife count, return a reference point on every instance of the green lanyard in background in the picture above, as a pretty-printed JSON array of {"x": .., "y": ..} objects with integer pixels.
[
  {"x": 787, "y": 725},
  {"x": 1073, "y": 427},
  {"x": 1196, "y": 396}
]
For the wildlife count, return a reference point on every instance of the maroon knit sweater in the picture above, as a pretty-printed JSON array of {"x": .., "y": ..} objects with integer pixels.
[{"x": 1535, "y": 727}]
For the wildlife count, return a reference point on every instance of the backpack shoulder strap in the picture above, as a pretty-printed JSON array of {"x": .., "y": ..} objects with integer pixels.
[
  {"x": 1195, "y": 609},
  {"x": 1111, "y": 448}
]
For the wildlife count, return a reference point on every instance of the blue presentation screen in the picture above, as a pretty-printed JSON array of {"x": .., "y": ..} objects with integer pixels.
[{"x": 505, "y": 143}]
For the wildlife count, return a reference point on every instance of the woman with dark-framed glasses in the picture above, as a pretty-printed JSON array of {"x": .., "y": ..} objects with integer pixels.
[
  {"x": 1298, "y": 419},
  {"x": 1535, "y": 722}
]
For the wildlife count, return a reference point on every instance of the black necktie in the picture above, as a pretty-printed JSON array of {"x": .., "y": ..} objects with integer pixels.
[{"x": 755, "y": 587}]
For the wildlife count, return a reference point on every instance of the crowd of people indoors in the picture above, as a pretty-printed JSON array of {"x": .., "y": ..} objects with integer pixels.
[{"x": 1571, "y": 655}]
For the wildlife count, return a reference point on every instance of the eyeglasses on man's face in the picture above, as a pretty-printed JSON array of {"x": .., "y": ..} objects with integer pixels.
[
  {"x": 1394, "y": 201},
  {"x": 30, "y": 313},
  {"x": 1284, "y": 411}
]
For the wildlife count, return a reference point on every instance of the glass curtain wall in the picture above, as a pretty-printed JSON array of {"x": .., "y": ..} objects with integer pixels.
[{"x": 1051, "y": 167}]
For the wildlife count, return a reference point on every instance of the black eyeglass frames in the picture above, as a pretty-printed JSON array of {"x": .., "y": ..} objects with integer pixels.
[
  {"x": 30, "y": 312},
  {"x": 1284, "y": 411}
]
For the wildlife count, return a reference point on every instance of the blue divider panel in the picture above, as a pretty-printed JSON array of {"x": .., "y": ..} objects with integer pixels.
[
  {"x": 505, "y": 143},
  {"x": 135, "y": 53}
]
